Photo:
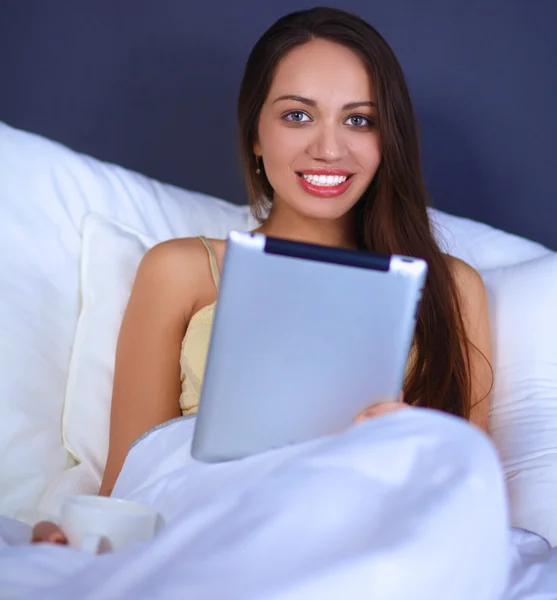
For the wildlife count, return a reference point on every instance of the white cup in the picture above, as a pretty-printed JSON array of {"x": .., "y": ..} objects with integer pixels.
[{"x": 98, "y": 524}]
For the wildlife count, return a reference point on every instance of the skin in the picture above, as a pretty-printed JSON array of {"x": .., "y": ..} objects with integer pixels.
[{"x": 293, "y": 135}]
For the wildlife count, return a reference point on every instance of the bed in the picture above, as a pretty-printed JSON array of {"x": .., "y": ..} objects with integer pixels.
[
  {"x": 77, "y": 231},
  {"x": 74, "y": 229}
]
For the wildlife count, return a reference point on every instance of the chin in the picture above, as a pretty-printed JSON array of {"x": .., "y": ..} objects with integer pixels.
[{"x": 329, "y": 209}]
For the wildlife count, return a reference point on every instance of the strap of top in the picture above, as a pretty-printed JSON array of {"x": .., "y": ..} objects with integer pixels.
[{"x": 212, "y": 261}]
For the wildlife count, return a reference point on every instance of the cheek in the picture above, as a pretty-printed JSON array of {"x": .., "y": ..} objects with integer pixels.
[
  {"x": 280, "y": 145},
  {"x": 368, "y": 154}
]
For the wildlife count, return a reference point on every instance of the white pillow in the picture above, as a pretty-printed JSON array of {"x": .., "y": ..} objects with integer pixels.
[
  {"x": 523, "y": 420},
  {"x": 45, "y": 192},
  {"x": 481, "y": 245},
  {"x": 524, "y": 404},
  {"x": 109, "y": 261}
]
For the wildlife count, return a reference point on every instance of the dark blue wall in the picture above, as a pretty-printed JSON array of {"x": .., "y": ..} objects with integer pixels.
[{"x": 152, "y": 85}]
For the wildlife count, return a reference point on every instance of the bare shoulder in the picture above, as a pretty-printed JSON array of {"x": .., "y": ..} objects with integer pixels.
[
  {"x": 179, "y": 270},
  {"x": 173, "y": 253},
  {"x": 466, "y": 277},
  {"x": 178, "y": 257},
  {"x": 471, "y": 288}
]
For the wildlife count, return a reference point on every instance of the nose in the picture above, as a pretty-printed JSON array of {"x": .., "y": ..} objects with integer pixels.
[{"x": 327, "y": 143}]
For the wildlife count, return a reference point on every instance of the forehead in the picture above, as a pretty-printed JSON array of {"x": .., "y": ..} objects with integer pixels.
[{"x": 323, "y": 71}]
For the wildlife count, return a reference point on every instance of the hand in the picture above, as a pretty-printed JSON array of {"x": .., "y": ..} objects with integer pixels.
[
  {"x": 45, "y": 531},
  {"x": 381, "y": 408}
]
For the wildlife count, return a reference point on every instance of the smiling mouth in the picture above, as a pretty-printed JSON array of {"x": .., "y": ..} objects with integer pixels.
[
  {"x": 325, "y": 181},
  {"x": 325, "y": 185}
]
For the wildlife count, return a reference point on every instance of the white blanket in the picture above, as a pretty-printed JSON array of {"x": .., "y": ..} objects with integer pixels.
[{"x": 409, "y": 505}]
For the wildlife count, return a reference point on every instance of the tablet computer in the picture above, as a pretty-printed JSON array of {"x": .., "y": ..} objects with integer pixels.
[{"x": 304, "y": 338}]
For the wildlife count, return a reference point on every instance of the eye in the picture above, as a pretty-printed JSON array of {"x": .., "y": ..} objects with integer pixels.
[
  {"x": 359, "y": 121},
  {"x": 296, "y": 116}
]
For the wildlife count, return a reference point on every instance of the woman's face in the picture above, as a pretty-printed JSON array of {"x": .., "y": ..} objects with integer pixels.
[{"x": 317, "y": 135}]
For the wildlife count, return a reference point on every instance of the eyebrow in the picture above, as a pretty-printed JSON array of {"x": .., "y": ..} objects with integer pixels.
[{"x": 309, "y": 102}]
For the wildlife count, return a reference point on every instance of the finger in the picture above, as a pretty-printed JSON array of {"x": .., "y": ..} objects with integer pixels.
[
  {"x": 370, "y": 410},
  {"x": 48, "y": 532},
  {"x": 382, "y": 408}
]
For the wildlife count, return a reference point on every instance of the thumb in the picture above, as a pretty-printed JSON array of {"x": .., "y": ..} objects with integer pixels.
[
  {"x": 45, "y": 531},
  {"x": 380, "y": 408}
]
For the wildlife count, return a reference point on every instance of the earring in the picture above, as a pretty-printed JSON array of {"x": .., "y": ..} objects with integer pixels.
[{"x": 257, "y": 170}]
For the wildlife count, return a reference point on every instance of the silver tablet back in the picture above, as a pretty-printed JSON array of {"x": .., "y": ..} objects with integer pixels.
[{"x": 304, "y": 338}]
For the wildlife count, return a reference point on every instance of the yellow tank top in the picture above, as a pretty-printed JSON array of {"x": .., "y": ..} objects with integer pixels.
[{"x": 195, "y": 345}]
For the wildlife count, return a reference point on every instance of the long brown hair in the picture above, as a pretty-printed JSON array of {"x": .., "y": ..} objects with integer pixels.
[{"x": 392, "y": 214}]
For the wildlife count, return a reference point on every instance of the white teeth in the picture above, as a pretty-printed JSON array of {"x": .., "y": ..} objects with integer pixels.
[{"x": 325, "y": 180}]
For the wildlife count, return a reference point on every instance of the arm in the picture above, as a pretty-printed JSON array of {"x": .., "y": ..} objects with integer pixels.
[
  {"x": 147, "y": 371},
  {"x": 474, "y": 306}
]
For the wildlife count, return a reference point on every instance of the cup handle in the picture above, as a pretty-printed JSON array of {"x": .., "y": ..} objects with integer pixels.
[{"x": 92, "y": 543}]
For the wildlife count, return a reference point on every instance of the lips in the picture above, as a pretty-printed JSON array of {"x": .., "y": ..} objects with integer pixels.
[{"x": 325, "y": 183}]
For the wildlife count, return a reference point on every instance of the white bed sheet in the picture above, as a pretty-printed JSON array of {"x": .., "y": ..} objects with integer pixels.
[{"x": 409, "y": 505}]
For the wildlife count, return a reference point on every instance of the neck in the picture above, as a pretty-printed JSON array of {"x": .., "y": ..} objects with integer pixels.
[{"x": 293, "y": 226}]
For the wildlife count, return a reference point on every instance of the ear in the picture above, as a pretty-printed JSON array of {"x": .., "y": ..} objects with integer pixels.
[{"x": 257, "y": 148}]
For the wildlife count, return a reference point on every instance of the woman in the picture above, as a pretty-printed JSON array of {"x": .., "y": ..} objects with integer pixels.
[{"x": 331, "y": 156}]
